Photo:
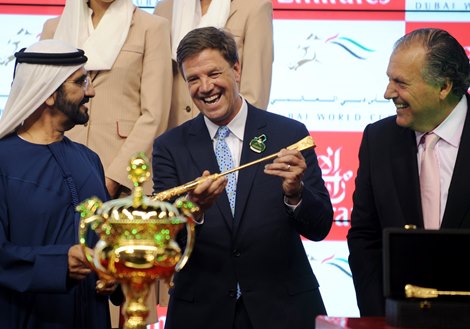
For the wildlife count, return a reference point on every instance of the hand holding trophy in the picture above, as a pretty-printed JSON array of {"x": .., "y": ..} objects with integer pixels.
[{"x": 136, "y": 241}]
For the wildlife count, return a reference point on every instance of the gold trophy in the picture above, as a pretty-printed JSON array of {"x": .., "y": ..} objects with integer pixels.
[
  {"x": 137, "y": 234},
  {"x": 136, "y": 241}
]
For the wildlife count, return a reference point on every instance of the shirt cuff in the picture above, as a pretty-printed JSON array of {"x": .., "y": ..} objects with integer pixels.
[{"x": 290, "y": 206}]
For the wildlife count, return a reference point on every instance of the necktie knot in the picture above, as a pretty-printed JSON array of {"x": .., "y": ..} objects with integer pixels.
[
  {"x": 222, "y": 132},
  {"x": 430, "y": 140}
]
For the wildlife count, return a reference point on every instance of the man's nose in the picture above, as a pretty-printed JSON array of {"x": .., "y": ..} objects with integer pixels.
[
  {"x": 206, "y": 85},
  {"x": 390, "y": 91},
  {"x": 90, "y": 90}
]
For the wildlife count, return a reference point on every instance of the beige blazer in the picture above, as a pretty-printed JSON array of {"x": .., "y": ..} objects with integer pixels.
[
  {"x": 250, "y": 21},
  {"x": 132, "y": 101}
]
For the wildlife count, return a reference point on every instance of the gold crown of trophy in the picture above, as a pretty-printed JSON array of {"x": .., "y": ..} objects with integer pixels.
[
  {"x": 137, "y": 235},
  {"x": 136, "y": 241}
]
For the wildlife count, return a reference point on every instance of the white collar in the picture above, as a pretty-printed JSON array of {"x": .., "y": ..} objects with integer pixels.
[
  {"x": 187, "y": 16},
  {"x": 450, "y": 130},
  {"x": 236, "y": 126},
  {"x": 103, "y": 44}
]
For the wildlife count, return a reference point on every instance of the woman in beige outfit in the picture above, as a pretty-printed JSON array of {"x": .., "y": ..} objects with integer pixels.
[{"x": 132, "y": 80}]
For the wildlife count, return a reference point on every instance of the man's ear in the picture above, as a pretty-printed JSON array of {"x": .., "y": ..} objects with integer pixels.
[
  {"x": 50, "y": 101},
  {"x": 446, "y": 89},
  {"x": 238, "y": 72}
]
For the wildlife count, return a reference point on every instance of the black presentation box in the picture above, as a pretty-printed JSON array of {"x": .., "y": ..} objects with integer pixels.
[{"x": 438, "y": 259}]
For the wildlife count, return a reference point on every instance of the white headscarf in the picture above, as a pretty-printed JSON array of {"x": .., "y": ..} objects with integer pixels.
[
  {"x": 187, "y": 16},
  {"x": 103, "y": 44},
  {"x": 34, "y": 83}
]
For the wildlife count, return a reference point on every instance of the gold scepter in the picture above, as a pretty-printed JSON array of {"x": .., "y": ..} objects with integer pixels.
[
  {"x": 412, "y": 291},
  {"x": 301, "y": 145}
]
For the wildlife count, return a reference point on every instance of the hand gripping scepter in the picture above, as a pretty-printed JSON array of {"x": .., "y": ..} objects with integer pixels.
[{"x": 169, "y": 194}]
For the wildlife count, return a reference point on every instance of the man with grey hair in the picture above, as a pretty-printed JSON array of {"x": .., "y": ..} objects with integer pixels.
[
  {"x": 44, "y": 278},
  {"x": 400, "y": 179}
]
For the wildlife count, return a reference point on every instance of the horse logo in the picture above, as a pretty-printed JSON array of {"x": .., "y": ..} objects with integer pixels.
[{"x": 316, "y": 49}]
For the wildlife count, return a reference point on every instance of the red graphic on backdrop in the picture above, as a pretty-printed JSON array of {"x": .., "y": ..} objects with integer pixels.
[
  {"x": 340, "y": 9},
  {"x": 50, "y": 9},
  {"x": 337, "y": 157},
  {"x": 340, "y": 4},
  {"x": 34, "y": 2}
]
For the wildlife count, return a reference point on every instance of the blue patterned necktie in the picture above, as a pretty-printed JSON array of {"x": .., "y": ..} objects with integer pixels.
[{"x": 225, "y": 161}]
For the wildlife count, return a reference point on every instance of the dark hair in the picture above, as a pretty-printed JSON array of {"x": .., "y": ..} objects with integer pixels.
[
  {"x": 204, "y": 38},
  {"x": 445, "y": 58}
]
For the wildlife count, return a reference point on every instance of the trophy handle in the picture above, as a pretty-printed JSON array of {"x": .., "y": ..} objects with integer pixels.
[
  {"x": 94, "y": 222},
  {"x": 191, "y": 232}
]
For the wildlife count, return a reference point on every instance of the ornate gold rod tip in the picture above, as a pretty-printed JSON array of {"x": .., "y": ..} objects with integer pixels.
[
  {"x": 412, "y": 291},
  {"x": 303, "y": 144}
]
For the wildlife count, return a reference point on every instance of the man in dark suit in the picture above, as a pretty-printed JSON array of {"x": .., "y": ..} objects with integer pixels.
[
  {"x": 248, "y": 269},
  {"x": 429, "y": 77}
]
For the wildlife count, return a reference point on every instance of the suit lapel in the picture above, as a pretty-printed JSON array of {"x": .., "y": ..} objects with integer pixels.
[
  {"x": 233, "y": 8},
  {"x": 199, "y": 142},
  {"x": 202, "y": 153},
  {"x": 254, "y": 127},
  {"x": 457, "y": 206},
  {"x": 406, "y": 177}
]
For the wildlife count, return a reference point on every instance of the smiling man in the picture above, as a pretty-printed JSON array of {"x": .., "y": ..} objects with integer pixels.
[
  {"x": 248, "y": 268},
  {"x": 45, "y": 282},
  {"x": 429, "y": 76}
]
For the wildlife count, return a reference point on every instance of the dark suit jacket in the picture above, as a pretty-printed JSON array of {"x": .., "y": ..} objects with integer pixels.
[
  {"x": 387, "y": 195},
  {"x": 260, "y": 248}
]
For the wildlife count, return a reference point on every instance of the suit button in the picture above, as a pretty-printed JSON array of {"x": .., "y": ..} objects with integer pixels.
[
  {"x": 188, "y": 108},
  {"x": 236, "y": 253}
]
